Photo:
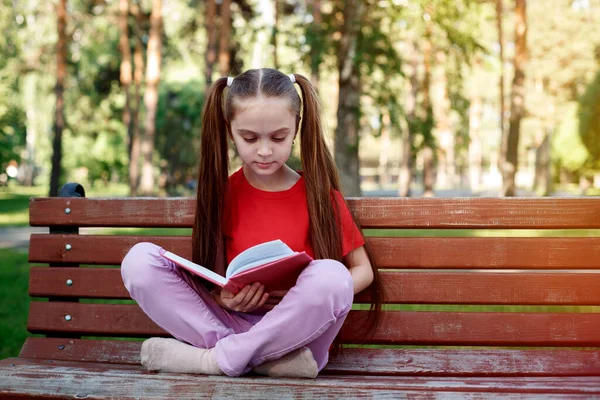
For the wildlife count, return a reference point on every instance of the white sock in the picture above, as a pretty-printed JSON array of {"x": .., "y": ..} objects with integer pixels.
[
  {"x": 171, "y": 355},
  {"x": 296, "y": 364}
]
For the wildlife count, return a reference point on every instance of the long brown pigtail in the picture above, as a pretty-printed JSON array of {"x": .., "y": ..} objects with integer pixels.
[
  {"x": 321, "y": 178},
  {"x": 213, "y": 172}
]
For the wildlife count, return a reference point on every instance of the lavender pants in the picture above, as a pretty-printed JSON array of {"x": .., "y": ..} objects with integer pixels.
[{"x": 311, "y": 314}]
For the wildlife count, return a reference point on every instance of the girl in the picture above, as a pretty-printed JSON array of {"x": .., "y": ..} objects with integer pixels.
[{"x": 281, "y": 333}]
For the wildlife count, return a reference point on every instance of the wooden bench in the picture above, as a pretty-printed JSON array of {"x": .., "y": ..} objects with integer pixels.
[{"x": 464, "y": 342}]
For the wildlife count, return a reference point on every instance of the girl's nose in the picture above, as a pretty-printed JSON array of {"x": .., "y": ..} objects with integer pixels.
[{"x": 264, "y": 150}]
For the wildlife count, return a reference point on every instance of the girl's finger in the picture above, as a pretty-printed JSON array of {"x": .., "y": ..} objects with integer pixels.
[
  {"x": 237, "y": 301},
  {"x": 263, "y": 301},
  {"x": 241, "y": 295},
  {"x": 256, "y": 299}
]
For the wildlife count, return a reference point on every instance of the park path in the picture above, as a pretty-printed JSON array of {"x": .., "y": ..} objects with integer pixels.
[{"x": 18, "y": 237}]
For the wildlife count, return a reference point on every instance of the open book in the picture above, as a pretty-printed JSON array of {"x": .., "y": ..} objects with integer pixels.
[{"x": 272, "y": 263}]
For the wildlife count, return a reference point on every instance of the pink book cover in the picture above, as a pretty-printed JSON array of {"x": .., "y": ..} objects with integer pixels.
[{"x": 276, "y": 275}]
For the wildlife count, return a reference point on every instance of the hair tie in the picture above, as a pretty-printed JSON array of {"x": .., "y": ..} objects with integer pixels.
[
  {"x": 292, "y": 78},
  {"x": 229, "y": 81}
]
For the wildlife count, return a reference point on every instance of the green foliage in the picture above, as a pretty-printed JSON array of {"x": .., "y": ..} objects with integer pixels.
[
  {"x": 589, "y": 121},
  {"x": 178, "y": 130},
  {"x": 12, "y": 133},
  {"x": 12, "y": 116},
  {"x": 568, "y": 151}
]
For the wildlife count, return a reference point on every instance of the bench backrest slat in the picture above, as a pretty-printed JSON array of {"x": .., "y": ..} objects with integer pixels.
[
  {"x": 461, "y": 287},
  {"x": 396, "y": 252},
  {"x": 418, "y": 328},
  {"x": 465, "y": 213}
]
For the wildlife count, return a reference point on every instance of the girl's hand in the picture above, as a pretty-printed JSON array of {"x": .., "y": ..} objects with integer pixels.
[
  {"x": 274, "y": 299},
  {"x": 248, "y": 299}
]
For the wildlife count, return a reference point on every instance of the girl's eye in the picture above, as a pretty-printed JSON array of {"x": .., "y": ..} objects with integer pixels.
[
  {"x": 275, "y": 139},
  {"x": 249, "y": 140}
]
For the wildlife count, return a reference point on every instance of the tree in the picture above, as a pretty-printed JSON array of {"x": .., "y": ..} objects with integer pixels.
[
  {"x": 314, "y": 37},
  {"x": 501, "y": 109},
  {"x": 59, "y": 112},
  {"x": 126, "y": 70},
  {"x": 138, "y": 74},
  {"x": 211, "y": 41},
  {"x": 589, "y": 121},
  {"x": 517, "y": 100},
  {"x": 347, "y": 130},
  {"x": 225, "y": 39},
  {"x": 151, "y": 96}
]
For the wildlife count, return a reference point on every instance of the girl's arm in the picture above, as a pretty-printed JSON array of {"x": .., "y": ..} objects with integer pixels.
[{"x": 359, "y": 265}]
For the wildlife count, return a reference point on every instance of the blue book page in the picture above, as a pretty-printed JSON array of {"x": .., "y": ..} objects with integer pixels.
[{"x": 258, "y": 255}]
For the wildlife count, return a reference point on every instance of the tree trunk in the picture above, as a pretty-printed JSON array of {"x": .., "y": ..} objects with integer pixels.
[
  {"x": 316, "y": 47},
  {"x": 151, "y": 96},
  {"x": 125, "y": 67},
  {"x": 29, "y": 89},
  {"x": 428, "y": 155},
  {"x": 347, "y": 130},
  {"x": 407, "y": 164},
  {"x": 225, "y": 35},
  {"x": 428, "y": 171},
  {"x": 211, "y": 45},
  {"x": 383, "y": 170},
  {"x": 517, "y": 100},
  {"x": 446, "y": 170},
  {"x": 59, "y": 89},
  {"x": 274, "y": 33},
  {"x": 138, "y": 58},
  {"x": 475, "y": 111},
  {"x": 542, "y": 166},
  {"x": 502, "y": 111}
]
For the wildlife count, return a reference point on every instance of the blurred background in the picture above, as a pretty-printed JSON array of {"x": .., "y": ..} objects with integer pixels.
[
  {"x": 420, "y": 98},
  {"x": 438, "y": 97}
]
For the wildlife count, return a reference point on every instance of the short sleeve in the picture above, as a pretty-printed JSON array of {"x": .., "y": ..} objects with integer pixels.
[{"x": 351, "y": 235}]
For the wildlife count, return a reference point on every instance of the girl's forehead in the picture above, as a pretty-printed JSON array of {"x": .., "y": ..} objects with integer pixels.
[
  {"x": 263, "y": 112},
  {"x": 242, "y": 105}
]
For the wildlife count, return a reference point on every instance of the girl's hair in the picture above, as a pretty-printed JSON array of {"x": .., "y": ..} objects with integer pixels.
[{"x": 318, "y": 168}]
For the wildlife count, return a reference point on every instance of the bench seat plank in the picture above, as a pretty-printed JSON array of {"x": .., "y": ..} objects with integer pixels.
[
  {"x": 398, "y": 252},
  {"x": 466, "y": 213},
  {"x": 367, "y": 361},
  {"x": 419, "y": 328},
  {"x": 80, "y": 380},
  {"x": 551, "y": 288}
]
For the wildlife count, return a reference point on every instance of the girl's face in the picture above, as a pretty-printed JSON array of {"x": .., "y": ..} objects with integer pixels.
[{"x": 263, "y": 130}]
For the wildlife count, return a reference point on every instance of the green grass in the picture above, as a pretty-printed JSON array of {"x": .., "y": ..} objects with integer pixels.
[{"x": 14, "y": 300}]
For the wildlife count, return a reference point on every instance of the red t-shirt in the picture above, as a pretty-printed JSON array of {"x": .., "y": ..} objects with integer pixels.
[{"x": 256, "y": 216}]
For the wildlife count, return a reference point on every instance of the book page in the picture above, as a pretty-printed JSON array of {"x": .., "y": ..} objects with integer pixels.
[
  {"x": 200, "y": 270},
  {"x": 257, "y": 255}
]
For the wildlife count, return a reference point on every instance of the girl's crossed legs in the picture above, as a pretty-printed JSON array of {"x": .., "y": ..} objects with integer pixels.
[{"x": 310, "y": 315}]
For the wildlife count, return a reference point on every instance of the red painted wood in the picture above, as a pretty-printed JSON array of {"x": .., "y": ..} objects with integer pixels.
[
  {"x": 421, "y": 253},
  {"x": 491, "y": 213},
  {"x": 363, "y": 361},
  {"x": 401, "y": 287},
  {"x": 419, "y": 328},
  {"x": 77, "y": 380}
]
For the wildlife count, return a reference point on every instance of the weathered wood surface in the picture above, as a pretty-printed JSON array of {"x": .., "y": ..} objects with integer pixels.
[
  {"x": 420, "y": 253},
  {"x": 363, "y": 361},
  {"x": 39, "y": 378},
  {"x": 493, "y": 213},
  {"x": 419, "y": 328},
  {"x": 522, "y": 288}
]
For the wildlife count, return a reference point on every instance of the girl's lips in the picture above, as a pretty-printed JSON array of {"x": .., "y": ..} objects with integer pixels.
[{"x": 264, "y": 165}]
